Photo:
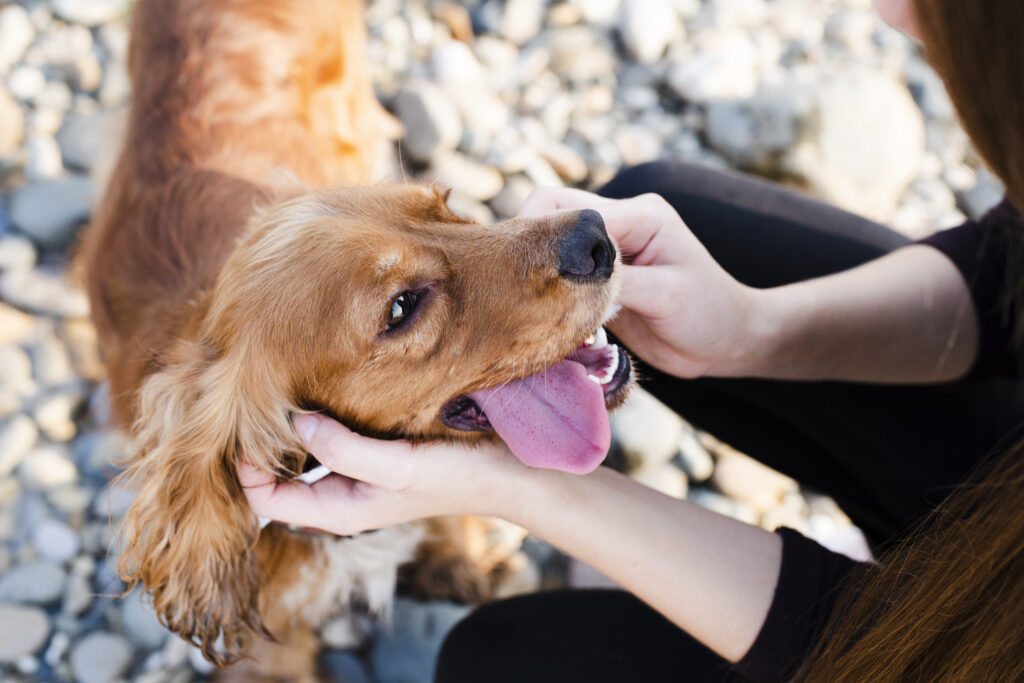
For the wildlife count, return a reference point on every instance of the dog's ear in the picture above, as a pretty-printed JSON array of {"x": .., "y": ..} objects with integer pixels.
[{"x": 189, "y": 536}]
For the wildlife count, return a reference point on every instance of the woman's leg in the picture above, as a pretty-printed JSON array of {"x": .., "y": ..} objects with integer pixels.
[
  {"x": 597, "y": 636},
  {"x": 887, "y": 454}
]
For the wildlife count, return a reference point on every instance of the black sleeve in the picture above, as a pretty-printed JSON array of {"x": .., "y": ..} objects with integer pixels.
[
  {"x": 983, "y": 251},
  {"x": 805, "y": 595}
]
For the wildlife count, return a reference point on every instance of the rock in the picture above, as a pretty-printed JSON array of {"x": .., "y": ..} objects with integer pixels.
[
  {"x": 756, "y": 132},
  {"x": 43, "y": 161},
  {"x": 647, "y": 27},
  {"x": 481, "y": 111},
  {"x": 862, "y": 145},
  {"x": 85, "y": 139},
  {"x": 716, "y": 502},
  {"x": 113, "y": 501},
  {"x": 55, "y": 541},
  {"x": 724, "y": 67},
  {"x": 431, "y": 120},
  {"x": 521, "y": 20},
  {"x": 470, "y": 209},
  {"x": 468, "y": 176},
  {"x": 50, "y": 212},
  {"x": 25, "y": 82},
  {"x": 16, "y": 34},
  {"x": 646, "y": 431},
  {"x": 115, "y": 86},
  {"x": 12, "y": 124},
  {"x": 407, "y": 653},
  {"x": 791, "y": 512},
  {"x": 743, "y": 478},
  {"x": 599, "y": 12},
  {"x": 50, "y": 361},
  {"x": 63, "y": 46},
  {"x": 97, "y": 453},
  {"x": 513, "y": 195},
  {"x": 141, "y": 623},
  {"x": 344, "y": 666},
  {"x": 43, "y": 291},
  {"x": 47, "y": 467},
  {"x": 91, "y": 12},
  {"x": 455, "y": 65},
  {"x": 986, "y": 193},
  {"x": 55, "y": 95},
  {"x": 100, "y": 657},
  {"x": 23, "y": 631},
  {"x": 667, "y": 479},
  {"x": 742, "y": 13},
  {"x": 566, "y": 161},
  {"x": 16, "y": 253},
  {"x": 637, "y": 144},
  {"x": 693, "y": 459},
  {"x": 36, "y": 582},
  {"x": 10, "y": 490},
  {"x": 55, "y": 415},
  {"x": 78, "y": 594},
  {"x": 578, "y": 54},
  {"x": 70, "y": 499},
  {"x": 17, "y": 438}
]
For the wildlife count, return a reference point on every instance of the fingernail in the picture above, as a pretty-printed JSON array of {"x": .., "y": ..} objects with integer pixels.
[{"x": 306, "y": 426}]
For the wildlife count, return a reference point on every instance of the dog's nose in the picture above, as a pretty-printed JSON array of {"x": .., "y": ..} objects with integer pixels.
[{"x": 587, "y": 253}]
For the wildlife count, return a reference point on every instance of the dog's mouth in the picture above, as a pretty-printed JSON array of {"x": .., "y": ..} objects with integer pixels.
[{"x": 558, "y": 418}]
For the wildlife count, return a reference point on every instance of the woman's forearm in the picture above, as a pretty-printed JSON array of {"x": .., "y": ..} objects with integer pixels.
[
  {"x": 907, "y": 317},
  {"x": 710, "y": 575}
]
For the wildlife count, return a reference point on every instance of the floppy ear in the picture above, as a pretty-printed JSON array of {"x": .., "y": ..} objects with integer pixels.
[{"x": 189, "y": 536}]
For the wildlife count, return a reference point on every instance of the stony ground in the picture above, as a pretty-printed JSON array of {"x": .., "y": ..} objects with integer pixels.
[{"x": 497, "y": 97}]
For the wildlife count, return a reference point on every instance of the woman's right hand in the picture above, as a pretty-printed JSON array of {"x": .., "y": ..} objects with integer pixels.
[{"x": 681, "y": 312}]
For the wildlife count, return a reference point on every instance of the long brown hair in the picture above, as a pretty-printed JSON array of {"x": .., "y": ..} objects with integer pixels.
[{"x": 944, "y": 605}]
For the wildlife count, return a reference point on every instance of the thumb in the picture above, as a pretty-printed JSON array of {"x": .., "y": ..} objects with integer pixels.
[
  {"x": 343, "y": 451},
  {"x": 648, "y": 291}
]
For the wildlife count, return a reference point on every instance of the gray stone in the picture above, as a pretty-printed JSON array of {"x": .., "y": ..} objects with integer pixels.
[
  {"x": 140, "y": 621},
  {"x": 578, "y": 54},
  {"x": 12, "y": 125},
  {"x": 64, "y": 45},
  {"x": 344, "y": 666},
  {"x": 16, "y": 253},
  {"x": 468, "y": 176},
  {"x": 647, "y": 27},
  {"x": 47, "y": 467},
  {"x": 42, "y": 158},
  {"x": 986, "y": 193},
  {"x": 100, "y": 657},
  {"x": 16, "y": 34},
  {"x": 432, "y": 122},
  {"x": 470, "y": 209},
  {"x": 85, "y": 140},
  {"x": 116, "y": 85},
  {"x": 693, "y": 458},
  {"x": 646, "y": 431},
  {"x": 55, "y": 95},
  {"x": 50, "y": 212},
  {"x": 521, "y": 20},
  {"x": 112, "y": 502},
  {"x": 25, "y": 82},
  {"x": 55, "y": 541},
  {"x": 43, "y": 291},
  {"x": 716, "y": 502},
  {"x": 35, "y": 582},
  {"x": 724, "y": 68},
  {"x": 17, "y": 438},
  {"x": 407, "y": 653},
  {"x": 78, "y": 594},
  {"x": 50, "y": 362},
  {"x": 23, "y": 631},
  {"x": 91, "y": 12},
  {"x": 510, "y": 200}
]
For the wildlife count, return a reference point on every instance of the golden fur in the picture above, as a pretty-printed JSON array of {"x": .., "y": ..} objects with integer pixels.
[{"x": 226, "y": 301}]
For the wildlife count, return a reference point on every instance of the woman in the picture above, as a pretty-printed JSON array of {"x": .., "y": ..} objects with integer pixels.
[{"x": 760, "y": 283}]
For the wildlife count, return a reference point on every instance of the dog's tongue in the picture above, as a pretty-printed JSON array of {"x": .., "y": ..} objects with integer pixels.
[{"x": 555, "y": 419}]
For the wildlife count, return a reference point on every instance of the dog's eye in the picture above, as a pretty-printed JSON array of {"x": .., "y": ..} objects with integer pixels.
[{"x": 401, "y": 308}]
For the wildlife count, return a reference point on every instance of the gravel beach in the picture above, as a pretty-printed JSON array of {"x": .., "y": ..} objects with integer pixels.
[{"x": 496, "y": 97}]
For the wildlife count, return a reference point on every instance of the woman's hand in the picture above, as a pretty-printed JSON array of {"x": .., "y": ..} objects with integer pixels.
[
  {"x": 682, "y": 312},
  {"x": 384, "y": 482}
]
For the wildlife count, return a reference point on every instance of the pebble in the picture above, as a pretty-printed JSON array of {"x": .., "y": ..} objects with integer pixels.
[
  {"x": 91, "y": 12},
  {"x": 43, "y": 160},
  {"x": 47, "y": 467},
  {"x": 16, "y": 253},
  {"x": 567, "y": 162},
  {"x": 141, "y": 623},
  {"x": 37, "y": 582},
  {"x": 513, "y": 195},
  {"x": 466, "y": 175},
  {"x": 55, "y": 415},
  {"x": 112, "y": 502},
  {"x": 521, "y": 20},
  {"x": 16, "y": 382},
  {"x": 344, "y": 666},
  {"x": 432, "y": 121},
  {"x": 646, "y": 431},
  {"x": 25, "y": 82},
  {"x": 986, "y": 193},
  {"x": 742, "y": 478},
  {"x": 18, "y": 437},
  {"x": 51, "y": 363},
  {"x": 343, "y": 633},
  {"x": 12, "y": 125},
  {"x": 16, "y": 34},
  {"x": 723, "y": 505},
  {"x": 23, "y": 631},
  {"x": 407, "y": 652},
  {"x": 42, "y": 291},
  {"x": 100, "y": 657},
  {"x": 49, "y": 212},
  {"x": 455, "y": 65},
  {"x": 85, "y": 139},
  {"x": 647, "y": 27},
  {"x": 666, "y": 479},
  {"x": 693, "y": 458},
  {"x": 726, "y": 68},
  {"x": 55, "y": 541}
]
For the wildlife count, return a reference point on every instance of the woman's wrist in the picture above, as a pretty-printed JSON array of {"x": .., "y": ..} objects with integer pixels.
[{"x": 760, "y": 335}]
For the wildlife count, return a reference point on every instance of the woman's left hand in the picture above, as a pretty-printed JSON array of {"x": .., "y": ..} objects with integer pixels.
[{"x": 381, "y": 483}]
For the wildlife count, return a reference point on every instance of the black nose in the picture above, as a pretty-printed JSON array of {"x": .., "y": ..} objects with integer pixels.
[{"x": 587, "y": 253}]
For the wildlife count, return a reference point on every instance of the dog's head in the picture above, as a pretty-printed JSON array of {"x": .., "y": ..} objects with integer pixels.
[{"x": 383, "y": 309}]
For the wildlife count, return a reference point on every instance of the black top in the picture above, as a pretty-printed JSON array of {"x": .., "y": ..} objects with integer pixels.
[{"x": 810, "y": 575}]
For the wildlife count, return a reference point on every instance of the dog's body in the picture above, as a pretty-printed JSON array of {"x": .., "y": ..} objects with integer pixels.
[{"x": 226, "y": 301}]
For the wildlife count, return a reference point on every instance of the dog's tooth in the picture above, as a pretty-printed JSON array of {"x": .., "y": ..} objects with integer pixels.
[
  {"x": 595, "y": 379},
  {"x": 600, "y": 339},
  {"x": 613, "y": 366}
]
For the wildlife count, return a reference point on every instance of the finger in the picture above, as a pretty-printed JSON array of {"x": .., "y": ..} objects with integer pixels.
[
  {"x": 550, "y": 199},
  {"x": 646, "y": 290},
  {"x": 250, "y": 476},
  {"x": 646, "y": 227},
  {"x": 336, "y": 503},
  {"x": 383, "y": 463}
]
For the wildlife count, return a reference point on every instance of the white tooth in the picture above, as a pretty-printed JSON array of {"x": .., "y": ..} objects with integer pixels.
[
  {"x": 596, "y": 380},
  {"x": 589, "y": 341},
  {"x": 600, "y": 339},
  {"x": 610, "y": 372}
]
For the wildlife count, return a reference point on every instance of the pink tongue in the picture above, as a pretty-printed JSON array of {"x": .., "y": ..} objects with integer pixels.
[{"x": 555, "y": 419}]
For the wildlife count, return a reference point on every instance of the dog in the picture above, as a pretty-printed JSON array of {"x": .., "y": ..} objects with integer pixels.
[{"x": 241, "y": 268}]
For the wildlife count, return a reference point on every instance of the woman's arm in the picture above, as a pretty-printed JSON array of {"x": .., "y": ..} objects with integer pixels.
[{"x": 713, "y": 576}]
